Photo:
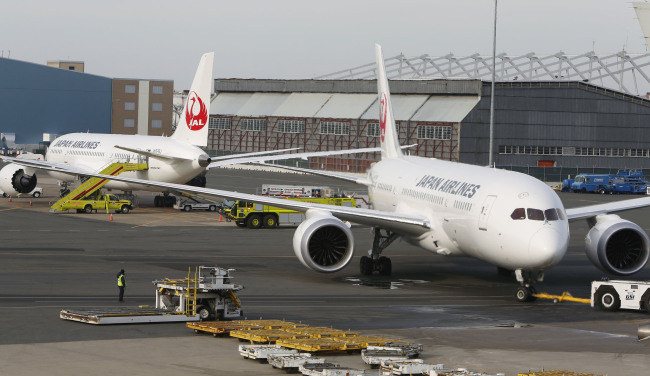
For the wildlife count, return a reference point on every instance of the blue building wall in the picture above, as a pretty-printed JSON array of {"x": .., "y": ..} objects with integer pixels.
[{"x": 37, "y": 99}]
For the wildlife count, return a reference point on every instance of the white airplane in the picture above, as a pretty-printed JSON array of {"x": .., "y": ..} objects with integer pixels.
[
  {"x": 175, "y": 159},
  {"x": 505, "y": 218}
]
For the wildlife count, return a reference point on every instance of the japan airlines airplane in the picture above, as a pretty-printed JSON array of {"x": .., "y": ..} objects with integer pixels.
[
  {"x": 174, "y": 159},
  {"x": 505, "y": 218}
]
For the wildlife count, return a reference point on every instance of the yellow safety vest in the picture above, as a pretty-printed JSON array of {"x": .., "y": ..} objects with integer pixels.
[{"x": 120, "y": 280}]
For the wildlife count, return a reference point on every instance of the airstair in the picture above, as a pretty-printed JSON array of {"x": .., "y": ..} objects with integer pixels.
[{"x": 93, "y": 184}]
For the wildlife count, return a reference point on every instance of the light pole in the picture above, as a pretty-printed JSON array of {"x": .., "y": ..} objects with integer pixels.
[{"x": 494, "y": 68}]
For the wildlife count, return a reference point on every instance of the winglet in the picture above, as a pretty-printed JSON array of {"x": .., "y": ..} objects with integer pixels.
[
  {"x": 192, "y": 126},
  {"x": 390, "y": 147}
]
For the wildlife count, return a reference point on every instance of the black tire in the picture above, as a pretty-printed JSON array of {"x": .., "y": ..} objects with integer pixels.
[
  {"x": 204, "y": 313},
  {"x": 385, "y": 266},
  {"x": 213, "y": 208},
  {"x": 270, "y": 221},
  {"x": 365, "y": 265},
  {"x": 36, "y": 194},
  {"x": 4, "y": 194},
  {"x": 254, "y": 221},
  {"x": 88, "y": 209},
  {"x": 187, "y": 208},
  {"x": 607, "y": 298},
  {"x": 125, "y": 209},
  {"x": 525, "y": 294}
]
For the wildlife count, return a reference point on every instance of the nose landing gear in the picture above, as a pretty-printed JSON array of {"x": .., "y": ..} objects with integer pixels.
[{"x": 526, "y": 291}]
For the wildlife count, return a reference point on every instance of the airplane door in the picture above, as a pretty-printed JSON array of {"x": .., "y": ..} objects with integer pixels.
[{"x": 485, "y": 212}]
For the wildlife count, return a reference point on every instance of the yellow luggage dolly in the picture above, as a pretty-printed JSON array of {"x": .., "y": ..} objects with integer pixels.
[
  {"x": 321, "y": 332},
  {"x": 565, "y": 297},
  {"x": 312, "y": 344},
  {"x": 360, "y": 343},
  {"x": 271, "y": 324},
  {"x": 265, "y": 335},
  {"x": 217, "y": 327}
]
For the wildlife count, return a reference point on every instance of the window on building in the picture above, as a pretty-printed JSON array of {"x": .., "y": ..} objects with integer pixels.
[
  {"x": 156, "y": 123},
  {"x": 373, "y": 130},
  {"x": 129, "y": 123},
  {"x": 129, "y": 106},
  {"x": 129, "y": 89},
  {"x": 291, "y": 126},
  {"x": 335, "y": 127},
  {"x": 219, "y": 123},
  {"x": 253, "y": 125},
  {"x": 157, "y": 89},
  {"x": 156, "y": 107},
  {"x": 434, "y": 132}
]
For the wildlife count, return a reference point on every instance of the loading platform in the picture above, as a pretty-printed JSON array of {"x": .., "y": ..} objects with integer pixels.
[
  {"x": 124, "y": 315},
  {"x": 91, "y": 185}
]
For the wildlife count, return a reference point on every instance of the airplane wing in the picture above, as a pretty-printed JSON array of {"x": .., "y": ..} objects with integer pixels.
[
  {"x": 409, "y": 224},
  {"x": 45, "y": 165},
  {"x": 362, "y": 180},
  {"x": 245, "y": 159},
  {"x": 584, "y": 212}
]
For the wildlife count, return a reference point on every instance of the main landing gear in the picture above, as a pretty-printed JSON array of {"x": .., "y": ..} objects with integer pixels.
[
  {"x": 376, "y": 262},
  {"x": 526, "y": 291}
]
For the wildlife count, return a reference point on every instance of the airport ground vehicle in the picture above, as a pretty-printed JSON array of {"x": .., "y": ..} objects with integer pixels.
[
  {"x": 624, "y": 182},
  {"x": 209, "y": 293},
  {"x": 98, "y": 202},
  {"x": 615, "y": 294},
  {"x": 589, "y": 183},
  {"x": 36, "y": 193},
  {"x": 253, "y": 215},
  {"x": 296, "y": 190},
  {"x": 190, "y": 204}
]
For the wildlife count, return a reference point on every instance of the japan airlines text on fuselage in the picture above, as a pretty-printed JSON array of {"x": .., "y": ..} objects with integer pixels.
[
  {"x": 475, "y": 211},
  {"x": 93, "y": 152}
]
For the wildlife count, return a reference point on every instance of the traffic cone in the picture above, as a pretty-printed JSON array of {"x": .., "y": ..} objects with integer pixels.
[
  {"x": 9, "y": 198},
  {"x": 30, "y": 202},
  {"x": 111, "y": 217},
  {"x": 220, "y": 219}
]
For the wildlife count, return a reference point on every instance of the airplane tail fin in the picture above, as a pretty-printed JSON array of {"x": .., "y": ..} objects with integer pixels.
[
  {"x": 192, "y": 126},
  {"x": 390, "y": 147}
]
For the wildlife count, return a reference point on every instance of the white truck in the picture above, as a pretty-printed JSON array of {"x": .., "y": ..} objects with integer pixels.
[
  {"x": 190, "y": 204},
  {"x": 616, "y": 294}
]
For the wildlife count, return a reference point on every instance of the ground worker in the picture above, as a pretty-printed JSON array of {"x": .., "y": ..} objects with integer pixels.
[{"x": 121, "y": 284}]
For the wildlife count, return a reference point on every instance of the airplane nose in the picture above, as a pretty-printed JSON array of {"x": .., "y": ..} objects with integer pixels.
[{"x": 547, "y": 247}]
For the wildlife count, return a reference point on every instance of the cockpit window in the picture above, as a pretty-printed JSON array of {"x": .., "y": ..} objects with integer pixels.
[
  {"x": 535, "y": 214},
  {"x": 560, "y": 213},
  {"x": 519, "y": 213},
  {"x": 551, "y": 215}
]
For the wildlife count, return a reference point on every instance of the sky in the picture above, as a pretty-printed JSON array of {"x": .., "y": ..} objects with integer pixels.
[{"x": 294, "y": 39}]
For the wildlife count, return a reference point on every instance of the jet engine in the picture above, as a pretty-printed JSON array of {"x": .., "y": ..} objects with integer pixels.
[
  {"x": 617, "y": 246},
  {"x": 323, "y": 243},
  {"x": 14, "y": 180}
]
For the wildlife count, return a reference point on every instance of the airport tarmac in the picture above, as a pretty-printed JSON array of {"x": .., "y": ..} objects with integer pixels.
[{"x": 461, "y": 310}]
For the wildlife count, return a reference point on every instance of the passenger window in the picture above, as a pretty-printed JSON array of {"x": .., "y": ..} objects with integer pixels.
[
  {"x": 535, "y": 214},
  {"x": 551, "y": 215},
  {"x": 519, "y": 213},
  {"x": 560, "y": 214}
]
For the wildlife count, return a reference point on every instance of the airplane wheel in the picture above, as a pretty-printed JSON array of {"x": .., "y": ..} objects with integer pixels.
[
  {"x": 385, "y": 266},
  {"x": 366, "y": 265},
  {"x": 525, "y": 294}
]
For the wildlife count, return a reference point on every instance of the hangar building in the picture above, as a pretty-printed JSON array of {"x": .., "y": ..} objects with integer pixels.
[{"x": 547, "y": 124}]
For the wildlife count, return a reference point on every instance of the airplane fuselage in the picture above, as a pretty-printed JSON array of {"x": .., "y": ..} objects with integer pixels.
[
  {"x": 508, "y": 219},
  {"x": 93, "y": 152}
]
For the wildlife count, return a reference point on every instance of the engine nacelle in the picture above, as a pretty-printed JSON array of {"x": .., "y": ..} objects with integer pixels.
[
  {"x": 323, "y": 243},
  {"x": 617, "y": 246},
  {"x": 14, "y": 180}
]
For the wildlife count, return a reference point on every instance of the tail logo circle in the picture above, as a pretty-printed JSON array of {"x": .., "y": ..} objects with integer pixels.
[{"x": 196, "y": 114}]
